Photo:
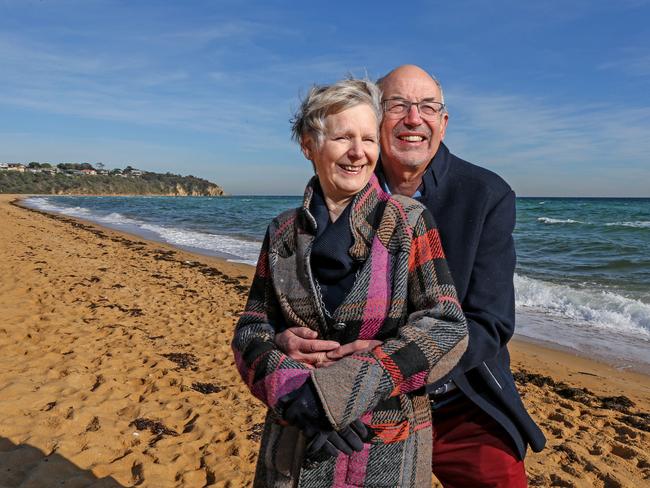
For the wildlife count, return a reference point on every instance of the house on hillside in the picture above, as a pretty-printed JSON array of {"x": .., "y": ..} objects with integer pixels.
[
  {"x": 87, "y": 172},
  {"x": 4, "y": 166},
  {"x": 131, "y": 171},
  {"x": 16, "y": 167}
]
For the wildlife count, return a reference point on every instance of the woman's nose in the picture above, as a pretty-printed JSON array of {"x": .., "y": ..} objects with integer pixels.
[{"x": 356, "y": 149}]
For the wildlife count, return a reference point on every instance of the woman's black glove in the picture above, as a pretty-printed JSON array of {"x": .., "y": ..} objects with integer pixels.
[
  {"x": 303, "y": 409},
  {"x": 326, "y": 444}
]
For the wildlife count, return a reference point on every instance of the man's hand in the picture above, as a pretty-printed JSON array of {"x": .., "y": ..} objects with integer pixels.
[
  {"x": 302, "y": 344},
  {"x": 360, "y": 345}
]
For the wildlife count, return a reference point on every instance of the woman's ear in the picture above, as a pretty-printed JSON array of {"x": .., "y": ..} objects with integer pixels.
[{"x": 307, "y": 146}]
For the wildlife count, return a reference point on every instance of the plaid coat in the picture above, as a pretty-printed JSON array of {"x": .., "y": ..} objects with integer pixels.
[{"x": 403, "y": 295}]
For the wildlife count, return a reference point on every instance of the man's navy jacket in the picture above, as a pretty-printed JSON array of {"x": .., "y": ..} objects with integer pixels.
[{"x": 475, "y": 213}]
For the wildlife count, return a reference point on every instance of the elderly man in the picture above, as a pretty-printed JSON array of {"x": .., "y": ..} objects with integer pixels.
[{"x": 481, "y": 428}]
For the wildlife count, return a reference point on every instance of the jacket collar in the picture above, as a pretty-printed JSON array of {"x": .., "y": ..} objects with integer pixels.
[
  {"x": 367, "y": 208},
  {"x": 436, "y": 169},
  {"x": 439, "y": 165}
]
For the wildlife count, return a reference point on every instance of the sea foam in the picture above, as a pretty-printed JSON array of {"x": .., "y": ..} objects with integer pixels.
[
  {"x": 233, "y": 248},
  {"x": 597, "y": 308},
  {"x": 641, "y": 224},
  {"x": 42, "y": 203},
  {"x": 242, "y": 250},
  {"x": 549, "y": 220}
]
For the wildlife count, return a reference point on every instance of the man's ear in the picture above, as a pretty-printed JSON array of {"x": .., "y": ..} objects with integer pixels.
[
  {"x": 307, "y": 146},
  {"x": 443, "y": 125}
]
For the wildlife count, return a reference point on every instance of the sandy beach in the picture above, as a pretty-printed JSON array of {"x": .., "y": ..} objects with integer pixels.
[{"x": 116, "y": 371}]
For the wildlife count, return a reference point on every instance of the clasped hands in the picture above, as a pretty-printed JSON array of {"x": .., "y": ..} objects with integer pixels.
[
  {"x": 303, "y": 344},
  {"x": 303, "y": 408}
]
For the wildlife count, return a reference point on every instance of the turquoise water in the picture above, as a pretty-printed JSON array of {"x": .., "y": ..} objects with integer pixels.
[
  {"x": 586, "y": 242},
  {"x": 582, "y": 278}
]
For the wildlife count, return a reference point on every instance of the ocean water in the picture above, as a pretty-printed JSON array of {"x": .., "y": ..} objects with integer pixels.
[
  {"x": 583, "y": 275},
  {"x": 582, "y": 280}
]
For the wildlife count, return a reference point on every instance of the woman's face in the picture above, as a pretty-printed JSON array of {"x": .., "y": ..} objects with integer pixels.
[{"x": 347, "y": 155}]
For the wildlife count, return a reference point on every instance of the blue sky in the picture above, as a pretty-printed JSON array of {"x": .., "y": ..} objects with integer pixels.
[{"x": 552, "y": 95}]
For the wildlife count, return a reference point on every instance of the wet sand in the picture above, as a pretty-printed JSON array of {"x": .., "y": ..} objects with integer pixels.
[{"x": 116, "y": 370}]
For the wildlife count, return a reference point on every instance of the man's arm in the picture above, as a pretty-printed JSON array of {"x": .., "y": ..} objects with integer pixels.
[{"x": 489, "y": 303}]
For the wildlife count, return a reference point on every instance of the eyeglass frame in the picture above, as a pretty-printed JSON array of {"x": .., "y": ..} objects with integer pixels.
[{"x": 409, "y": 104}]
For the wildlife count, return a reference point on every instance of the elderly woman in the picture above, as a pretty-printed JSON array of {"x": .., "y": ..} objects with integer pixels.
[{"x": 352, "y": 263}]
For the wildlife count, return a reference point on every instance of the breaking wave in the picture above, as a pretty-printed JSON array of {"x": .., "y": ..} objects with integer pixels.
[{"x": 597, "y": 308}]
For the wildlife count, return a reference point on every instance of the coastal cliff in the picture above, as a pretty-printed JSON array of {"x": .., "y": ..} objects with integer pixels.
[{"x": 147, "y": 183}]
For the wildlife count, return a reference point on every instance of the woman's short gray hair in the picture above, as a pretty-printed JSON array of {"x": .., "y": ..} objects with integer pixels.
[{"x": 323, "y": 100}]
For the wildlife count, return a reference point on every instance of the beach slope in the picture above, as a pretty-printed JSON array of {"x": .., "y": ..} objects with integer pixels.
[{"x": 116, "y": 370}]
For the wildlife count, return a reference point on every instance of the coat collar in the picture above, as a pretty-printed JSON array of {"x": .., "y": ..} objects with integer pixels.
[
  {"x": 436, "y": 169},
  {"x": 439, "y": 165},
  {"x": 367, "y": 208}
]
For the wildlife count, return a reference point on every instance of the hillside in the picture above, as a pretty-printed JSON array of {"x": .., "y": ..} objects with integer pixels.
[{"x": 144, "y": 184}]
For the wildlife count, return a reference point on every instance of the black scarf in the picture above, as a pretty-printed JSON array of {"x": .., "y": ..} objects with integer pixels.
[{"x": 331, "y": 263}]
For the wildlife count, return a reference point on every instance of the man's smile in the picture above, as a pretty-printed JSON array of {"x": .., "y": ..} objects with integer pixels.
[{"x": 411, "y": 138}]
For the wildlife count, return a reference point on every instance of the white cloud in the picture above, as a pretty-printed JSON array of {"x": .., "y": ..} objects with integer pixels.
[
  {"x": 631, "y": 65},
  {"x": 537, "y": 143},
  {"x": 515, "y": 128},
  {"x": 229, "y": 29}
]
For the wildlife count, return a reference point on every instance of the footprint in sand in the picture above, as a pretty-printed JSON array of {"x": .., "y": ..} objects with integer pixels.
[{"x": 623, "y": 451}]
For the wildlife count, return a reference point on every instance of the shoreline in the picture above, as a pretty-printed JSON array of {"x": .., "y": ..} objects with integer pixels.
[
  {"x": 115, "y": 366},
  {"x": 146, "y": 235},
  {"x": 527, "y": 320},
  {"x": 518, "y": 341},
  {"x": 232, "y": 267},
  {"x": 605, "y": 360}
]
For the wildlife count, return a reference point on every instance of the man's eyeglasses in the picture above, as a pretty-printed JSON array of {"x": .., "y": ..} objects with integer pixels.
[{"x": 398, "y": 107}]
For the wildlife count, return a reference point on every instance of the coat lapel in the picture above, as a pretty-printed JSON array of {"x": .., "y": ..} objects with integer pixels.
[{"x": 293, "y": 280}]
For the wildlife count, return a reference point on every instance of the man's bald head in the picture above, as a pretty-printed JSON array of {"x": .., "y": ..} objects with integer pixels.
[{"x": 410, "y": 71}]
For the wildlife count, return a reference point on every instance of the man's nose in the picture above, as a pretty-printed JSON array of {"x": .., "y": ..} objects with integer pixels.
[{"x": 412, "y": 117}]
